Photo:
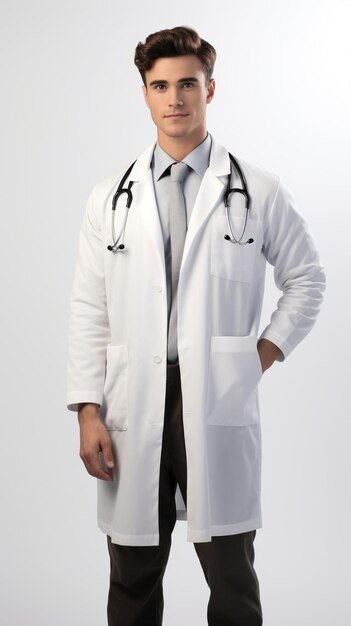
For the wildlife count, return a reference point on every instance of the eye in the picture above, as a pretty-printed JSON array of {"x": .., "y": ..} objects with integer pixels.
[
  {"x": 160, "y": 87},
  {"x": 188, "y": 85}
]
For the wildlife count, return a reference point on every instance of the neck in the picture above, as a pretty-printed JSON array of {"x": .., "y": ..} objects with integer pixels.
[{"x": 179, "y": 147}]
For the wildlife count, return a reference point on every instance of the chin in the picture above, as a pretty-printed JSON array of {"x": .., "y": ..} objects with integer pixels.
[{"x": 176, "y": 132}]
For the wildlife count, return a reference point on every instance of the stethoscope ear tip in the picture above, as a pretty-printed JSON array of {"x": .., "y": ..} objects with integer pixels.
[
  {"x": 113, "y": 249},
  {"x": 242, "y": 243}
]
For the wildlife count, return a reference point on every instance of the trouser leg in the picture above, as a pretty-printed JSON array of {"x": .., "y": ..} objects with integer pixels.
[
  {"x": 228, "y": 565},
  {"x": 135, "y": 595}
]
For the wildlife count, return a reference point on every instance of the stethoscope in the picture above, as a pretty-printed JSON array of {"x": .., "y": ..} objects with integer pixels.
[{"x": 229, "y": 190}]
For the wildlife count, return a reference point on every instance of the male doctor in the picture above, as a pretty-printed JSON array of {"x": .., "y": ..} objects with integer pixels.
[{"x": 164, "y": 357}]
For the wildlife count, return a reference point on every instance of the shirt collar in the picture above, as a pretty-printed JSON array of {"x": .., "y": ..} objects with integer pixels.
[{"x": 198, "y": 159}]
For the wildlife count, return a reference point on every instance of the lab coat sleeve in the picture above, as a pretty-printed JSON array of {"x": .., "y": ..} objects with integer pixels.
[
  {"x": 89, "y": 331},
  {"x": 298, "y": 273}
]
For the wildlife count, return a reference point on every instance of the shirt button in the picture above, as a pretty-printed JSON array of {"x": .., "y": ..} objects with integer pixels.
[
  {"x": 158, "y": 287},
  {"x": 157, "y": 359}
]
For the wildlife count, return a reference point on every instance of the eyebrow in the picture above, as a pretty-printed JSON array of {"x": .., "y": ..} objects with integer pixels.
[{"x": 182, "y": 80}]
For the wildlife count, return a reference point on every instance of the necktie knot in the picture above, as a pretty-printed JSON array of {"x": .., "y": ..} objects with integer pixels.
[{"x": 178, "y": 172}]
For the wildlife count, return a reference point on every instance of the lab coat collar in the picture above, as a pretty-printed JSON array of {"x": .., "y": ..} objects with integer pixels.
[
  {"x": 219, "y": 161},
  {"x": 197, "y": 159}
]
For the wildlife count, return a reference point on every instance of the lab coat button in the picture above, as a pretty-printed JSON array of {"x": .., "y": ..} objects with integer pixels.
[
  {"x": 159, "y": 287},
  {"x": 157, "y": 359}
]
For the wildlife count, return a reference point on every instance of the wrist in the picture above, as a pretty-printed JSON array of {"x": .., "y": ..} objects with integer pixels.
[{"x": 88, "y": 411}]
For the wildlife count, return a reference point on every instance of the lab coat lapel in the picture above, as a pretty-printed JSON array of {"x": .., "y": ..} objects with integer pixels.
[
  {"x": 145, "y": 201},
  {"x": 210, "y": 193}
]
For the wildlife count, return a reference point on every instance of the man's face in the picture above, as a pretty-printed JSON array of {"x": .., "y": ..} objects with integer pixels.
[{"x": 177, "y": 95}]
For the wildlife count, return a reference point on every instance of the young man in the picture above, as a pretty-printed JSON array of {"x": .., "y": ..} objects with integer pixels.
[{"x": 164, "y": 358}]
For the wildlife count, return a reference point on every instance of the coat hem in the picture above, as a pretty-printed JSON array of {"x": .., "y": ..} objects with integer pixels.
[
  {"x": 194, "y": 536},
  {"x": 200, "y": 536},
  {"x": 129, "y": 540}
]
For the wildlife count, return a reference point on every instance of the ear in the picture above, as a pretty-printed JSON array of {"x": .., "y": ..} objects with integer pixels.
[
  {"x": 210, "y": 90},
  {"x": 145, "y": 95}
]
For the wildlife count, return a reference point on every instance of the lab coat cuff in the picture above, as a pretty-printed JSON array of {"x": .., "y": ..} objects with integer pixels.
[
  {"x": 279, "y": 341},
  {"x": 76, "y": 397}
]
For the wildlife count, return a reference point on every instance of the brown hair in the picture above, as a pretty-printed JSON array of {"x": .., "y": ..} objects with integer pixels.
[{"x": 173, "y": 42}]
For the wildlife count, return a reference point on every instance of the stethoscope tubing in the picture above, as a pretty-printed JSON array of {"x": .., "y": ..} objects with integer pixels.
[
  {"x": 120, "y": 191},
  {"x": 229, "y": 190}
]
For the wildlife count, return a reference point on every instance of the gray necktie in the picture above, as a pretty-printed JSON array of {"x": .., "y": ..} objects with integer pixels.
[{"x": 178, "y": 227}]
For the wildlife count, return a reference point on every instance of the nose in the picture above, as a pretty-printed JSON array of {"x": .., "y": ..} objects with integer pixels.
[{"x": 175, "y": 99}]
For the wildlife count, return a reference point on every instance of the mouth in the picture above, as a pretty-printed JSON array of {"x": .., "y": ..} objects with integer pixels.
[{"x": 176, "y": 115}]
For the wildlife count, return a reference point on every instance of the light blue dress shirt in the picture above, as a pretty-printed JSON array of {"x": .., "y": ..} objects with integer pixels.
[{"x": 198, "y": 161}]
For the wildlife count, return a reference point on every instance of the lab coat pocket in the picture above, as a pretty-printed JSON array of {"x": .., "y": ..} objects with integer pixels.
[
  {"x": 114, "y": 408},
  {"x": 234, "y": 373},
  {"x": 234, "y": 261}
]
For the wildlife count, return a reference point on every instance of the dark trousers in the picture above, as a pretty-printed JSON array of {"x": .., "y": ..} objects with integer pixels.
[{"x": 136, "y": 595}]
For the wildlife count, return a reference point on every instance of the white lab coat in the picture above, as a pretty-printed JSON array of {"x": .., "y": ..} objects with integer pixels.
[{"x": 118, "y": 321}]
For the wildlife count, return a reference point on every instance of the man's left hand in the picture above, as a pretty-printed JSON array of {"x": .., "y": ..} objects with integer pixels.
[{"x": 268, "y": 353}]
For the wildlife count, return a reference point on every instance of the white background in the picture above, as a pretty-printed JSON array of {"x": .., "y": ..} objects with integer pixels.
[{"x": 72, "y": 113}]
